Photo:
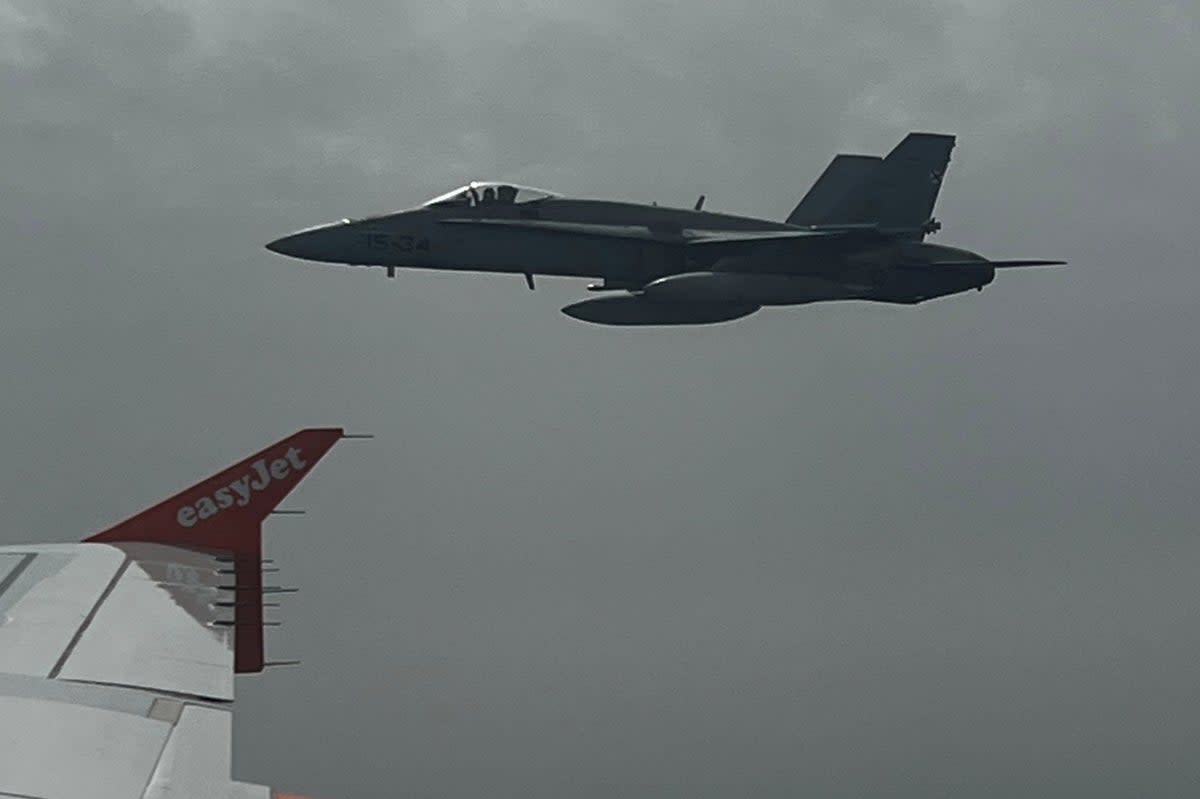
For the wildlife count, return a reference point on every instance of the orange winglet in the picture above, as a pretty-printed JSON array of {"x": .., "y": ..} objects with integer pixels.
[{"x": 224, "y": 514}]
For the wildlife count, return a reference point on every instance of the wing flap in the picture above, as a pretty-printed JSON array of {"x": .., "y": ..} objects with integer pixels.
[
  {"x": 56, "y": 749},
  {"x": 45, "y": 607},
  {"x": 197, "y": 758},
  {"x": 174, "y": 645}
]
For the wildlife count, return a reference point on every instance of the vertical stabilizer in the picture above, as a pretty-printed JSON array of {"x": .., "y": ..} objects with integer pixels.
[
  {"x": 902, "y": 191},
  {"x": 844, "y": 174}
]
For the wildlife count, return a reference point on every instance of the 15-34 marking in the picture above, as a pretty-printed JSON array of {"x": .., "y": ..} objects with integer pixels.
[{"x": 392, "y": 242}]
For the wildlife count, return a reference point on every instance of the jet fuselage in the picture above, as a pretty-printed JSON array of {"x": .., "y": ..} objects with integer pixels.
[{"x": 630, "y": 245}]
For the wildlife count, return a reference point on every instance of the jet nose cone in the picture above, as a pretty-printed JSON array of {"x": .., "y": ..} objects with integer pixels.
[
  {"x": 287, "y": 245},
  {"x": 321, "y": 243}
]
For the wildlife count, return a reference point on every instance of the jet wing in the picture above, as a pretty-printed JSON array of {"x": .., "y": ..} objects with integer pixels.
[
  {"x": 748, "y": 236},
  {"x": 117, "y": 655},
  {"x": 687, "y": 236}
]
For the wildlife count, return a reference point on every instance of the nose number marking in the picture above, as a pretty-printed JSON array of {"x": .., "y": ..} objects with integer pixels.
[{"x": 392, "y": 242}]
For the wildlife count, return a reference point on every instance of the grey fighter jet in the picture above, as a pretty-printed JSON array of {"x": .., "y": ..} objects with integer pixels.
[{"x": 858, "y": 234}]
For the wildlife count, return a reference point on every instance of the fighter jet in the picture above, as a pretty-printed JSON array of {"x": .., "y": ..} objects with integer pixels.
[{"x": 858, "y": 234}]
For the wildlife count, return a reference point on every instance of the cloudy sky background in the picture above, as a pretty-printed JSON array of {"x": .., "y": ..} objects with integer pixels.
[{"x": 841, "y": 550}]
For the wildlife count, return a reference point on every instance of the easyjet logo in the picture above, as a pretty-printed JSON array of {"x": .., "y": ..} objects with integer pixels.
[{"x": 242, "y": 490}]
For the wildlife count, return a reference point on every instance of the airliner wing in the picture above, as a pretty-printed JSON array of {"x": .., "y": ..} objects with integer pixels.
[{"x": 117, "y": 655}]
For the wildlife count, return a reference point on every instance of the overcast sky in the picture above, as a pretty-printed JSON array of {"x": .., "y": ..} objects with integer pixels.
[{"x": 840, "y": 550}]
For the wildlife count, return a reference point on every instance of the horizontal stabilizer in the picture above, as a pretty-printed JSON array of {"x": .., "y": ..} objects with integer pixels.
[
  {"x": 992, "y": 264},
  {"x": 1009, "y": 264}
]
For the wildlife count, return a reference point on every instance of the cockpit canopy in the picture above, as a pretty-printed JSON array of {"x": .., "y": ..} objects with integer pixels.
[{"x": 489, "y": 193}]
